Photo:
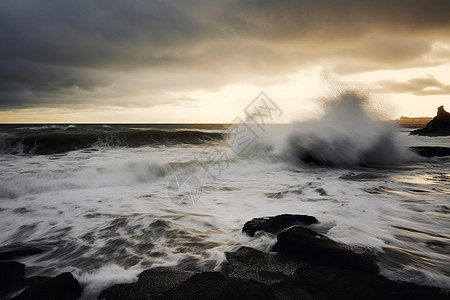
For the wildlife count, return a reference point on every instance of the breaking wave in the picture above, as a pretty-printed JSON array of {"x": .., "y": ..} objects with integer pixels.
[
  {"x": 345, "y": 136},
  {"x": 128, "y": 172},
  {"x": 54, "y": 141}
]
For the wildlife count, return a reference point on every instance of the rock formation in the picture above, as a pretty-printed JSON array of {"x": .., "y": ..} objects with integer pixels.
[
  {"x": 303, "y": 265},
  {"x": 439, "y": 126}
]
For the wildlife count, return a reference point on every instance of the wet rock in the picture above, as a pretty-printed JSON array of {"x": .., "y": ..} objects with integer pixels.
[
  {"x": 306, "y": 265},
  {"x": 248, "y": 289},
  {"x": 63, "y": 286},
  {"x": 430, "y": 151},
  {"x": 277, "y": 223},
  {"x": 151, "y": 284},
  {"x": 14, "y": 285},
  {"x": 214, "y": 285},
  {"x": 248, "y": 263},
  {"x": 337, "y": 283},
  {"x": 317, "y": 249},
  {"x": 166, "y": 283},
  {"x": 11, "y": 277},
  {"x": 439, "y": 126},
  {"x": 14, "y": 251},
  {"x": 206, "y": 285}
]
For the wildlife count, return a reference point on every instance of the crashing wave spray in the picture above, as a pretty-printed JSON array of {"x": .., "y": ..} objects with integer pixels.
[{"x": 345, "y": 136}]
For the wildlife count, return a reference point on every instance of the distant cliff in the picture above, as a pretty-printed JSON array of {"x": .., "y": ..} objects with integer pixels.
[
  {"x": 439, "y": 126},
  {"x": 418, "y": 122}
]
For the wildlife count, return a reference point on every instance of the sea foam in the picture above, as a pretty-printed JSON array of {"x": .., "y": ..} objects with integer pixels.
[{"x": 345, "y": 136}]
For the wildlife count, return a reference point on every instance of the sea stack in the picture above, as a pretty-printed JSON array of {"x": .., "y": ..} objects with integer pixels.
[{"x": 439, "y": 126}]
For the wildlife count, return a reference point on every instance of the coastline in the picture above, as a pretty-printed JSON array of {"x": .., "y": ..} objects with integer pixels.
[{"x": 302, "y": 264}]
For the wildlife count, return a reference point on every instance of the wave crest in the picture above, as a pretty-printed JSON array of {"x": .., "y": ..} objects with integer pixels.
[
  {"x": 345, "y": 136},
  {"x": 61, "y": 141}
]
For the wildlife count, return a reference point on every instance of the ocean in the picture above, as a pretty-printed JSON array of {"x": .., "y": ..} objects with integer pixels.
[{"x": 106, "y": 201}]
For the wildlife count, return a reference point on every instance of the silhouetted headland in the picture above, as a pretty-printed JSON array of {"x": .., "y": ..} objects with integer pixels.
[{"x": 439, "y": 126}]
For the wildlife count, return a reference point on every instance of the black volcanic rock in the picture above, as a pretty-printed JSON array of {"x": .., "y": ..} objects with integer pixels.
[
  {"x": 13, "y": 284},
  {"x": 277, "y": 223},
  {"x": 431, "y": 151},
  {"x": 317, "y": 249},
  {"x": 336, "y": 283},
  {"x": 248, "y": 289},
  {"x": 151, "y": 284},
  {"x": 442, "y": 119},
  {"x": 63, "y": 286},
  {"x": 206, "y": 285},
  {"x": 268, "y": 268},
  {"x": 306, "y": 265},
  {"x": 214, "y": 285},
  {"x": 439, "y": 126},
  {"x": 11, "y": 276}
]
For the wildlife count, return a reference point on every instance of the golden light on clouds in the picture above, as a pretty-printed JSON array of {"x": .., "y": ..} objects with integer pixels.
[{"x": 202, "y": 61}]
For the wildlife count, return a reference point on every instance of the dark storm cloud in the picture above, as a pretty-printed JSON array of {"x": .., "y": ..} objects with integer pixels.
[
  {"x": 416, "y": 86},
  {"x": 54, "y": 45},
  {"x": 19, "y": 75},
  {"x": 25, "y": 83}
]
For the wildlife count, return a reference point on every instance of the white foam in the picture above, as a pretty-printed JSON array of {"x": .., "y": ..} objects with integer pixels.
[
  {"x": 345, "y": 136},
  {"x": 106, "y": 276},
  {"x": 84, "y": 171}
]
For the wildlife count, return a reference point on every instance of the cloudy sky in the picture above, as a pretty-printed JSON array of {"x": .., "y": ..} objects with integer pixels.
[{"x": 205, "y": 60}]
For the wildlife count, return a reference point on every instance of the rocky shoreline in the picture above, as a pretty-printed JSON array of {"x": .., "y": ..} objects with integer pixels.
[
  {"x": 303, "y": 264},
  {"x": 14, "y": 284},
  {"x": 438, "y": 126}
]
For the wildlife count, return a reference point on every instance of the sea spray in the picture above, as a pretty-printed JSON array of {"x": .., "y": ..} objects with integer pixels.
[{"x": 345, "y": 136}]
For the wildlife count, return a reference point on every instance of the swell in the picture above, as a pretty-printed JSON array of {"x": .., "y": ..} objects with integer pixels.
[{"x": 61, "y": 142}]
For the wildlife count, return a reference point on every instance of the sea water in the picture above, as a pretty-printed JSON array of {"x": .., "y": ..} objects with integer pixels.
[{"x": 108, "y": 201}]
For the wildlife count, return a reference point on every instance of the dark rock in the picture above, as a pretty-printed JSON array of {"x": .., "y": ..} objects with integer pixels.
[
  {"x": 162, "y": 283},
  {"x": 306, "y": 265},
  {"x": 317, "y": 249},
  {"x": 12, "y": 280},
  {"x": 439, "y": 126},
  {"x": 248, "y": 289},
  {"x": 430, "y": 151},
  {"x": 34, "y": 280},
  {"x": 277, "y": 223},
  {"x": 214, "y": 285},
  {"x": 248, "y": 263},
  {"x": 207, "y": 285},
  {"x": 63, "y": 286},
  {"x": 18, "y": 250},
  {"x": 337, "y": 283},
  {"x": 442, "y": 119},
  {"x": 151, "y": 284},
  {"x": 11, "y": 277},
  {"x": 431, "y": 132}
]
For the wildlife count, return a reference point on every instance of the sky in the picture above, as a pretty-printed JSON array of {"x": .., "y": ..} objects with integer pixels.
[{"x": 206, "y": 60}]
